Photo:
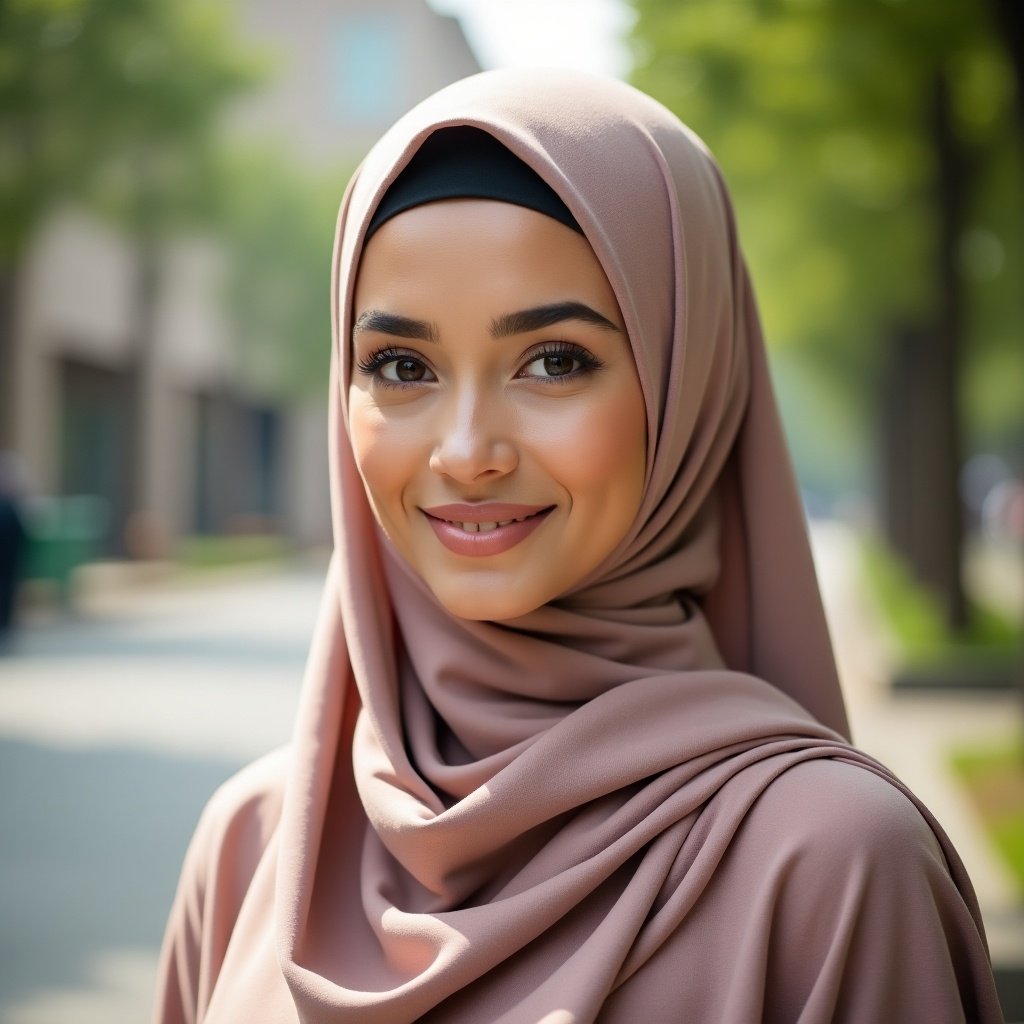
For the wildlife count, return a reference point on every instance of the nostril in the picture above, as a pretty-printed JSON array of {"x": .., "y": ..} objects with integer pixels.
[{"x": 475, "y": 447}]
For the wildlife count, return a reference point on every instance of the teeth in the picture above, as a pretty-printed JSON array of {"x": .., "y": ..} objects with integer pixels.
[{"x": 487, "y": 527}]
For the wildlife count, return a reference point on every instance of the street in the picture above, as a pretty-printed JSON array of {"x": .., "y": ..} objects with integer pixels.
[{"x": 115, "y": 726}]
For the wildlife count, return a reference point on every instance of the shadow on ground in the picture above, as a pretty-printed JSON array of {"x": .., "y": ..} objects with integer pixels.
[{"x": 91, "y": 843}]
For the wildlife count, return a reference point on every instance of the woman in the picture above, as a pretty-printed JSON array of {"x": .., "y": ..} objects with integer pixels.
[{"x": 570, "y": 745}]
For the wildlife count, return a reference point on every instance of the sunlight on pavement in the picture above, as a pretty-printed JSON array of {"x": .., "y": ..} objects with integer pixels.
[
  {"x": 117, "y": 983},
  {"x": 192, "y": 710}
]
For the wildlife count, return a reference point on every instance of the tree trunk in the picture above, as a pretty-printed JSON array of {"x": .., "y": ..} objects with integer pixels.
[
  {"x": 943, "y": 569},
  {"x": 900, "y": 418},
  {"x": 1008, "y": 16},
  {"x": 144, "y": 537},
  {"x": 920, "y": 415}
]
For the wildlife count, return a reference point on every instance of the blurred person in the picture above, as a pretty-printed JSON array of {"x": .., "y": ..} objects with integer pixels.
[
  {"x": 571, "y": 745},
  {"x": 12, "y": 539}
]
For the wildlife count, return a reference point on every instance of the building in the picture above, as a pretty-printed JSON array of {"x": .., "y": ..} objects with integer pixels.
[{"x": 177, "y": 439}]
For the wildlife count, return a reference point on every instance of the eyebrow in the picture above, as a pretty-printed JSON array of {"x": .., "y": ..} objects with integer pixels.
[
  {"x": 393, "y": 324},
  {"x": 521, "y": 322},
  {"x": 539, "y": 317}
]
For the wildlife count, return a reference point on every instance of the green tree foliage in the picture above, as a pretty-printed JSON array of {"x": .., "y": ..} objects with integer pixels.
[
  {"x": 278, "y": 225},
  {"x": 118, "y": 104},
  {"x": 114, "y": 103},
  {"x": 818, "y": 111},
  {"x": 874, "y": 151},
  {"x": 107, "y": 100}
]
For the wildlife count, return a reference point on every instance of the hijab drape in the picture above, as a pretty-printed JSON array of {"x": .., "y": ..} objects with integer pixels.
[{"x": 637, "y": 802}]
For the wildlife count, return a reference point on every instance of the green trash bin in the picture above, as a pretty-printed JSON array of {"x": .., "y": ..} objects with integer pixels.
[{"x": 62, "y": 534}]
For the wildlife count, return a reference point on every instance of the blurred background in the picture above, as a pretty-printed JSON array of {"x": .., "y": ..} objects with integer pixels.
[{"x": 170, "y": 172}]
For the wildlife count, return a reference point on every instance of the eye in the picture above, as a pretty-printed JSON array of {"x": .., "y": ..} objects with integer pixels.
[
  {"x": 560, "y": 361},
  {"x": 404, "y": 370},
  {"x": 391, "y": 367},
  {"x": 552, "y": 366}
]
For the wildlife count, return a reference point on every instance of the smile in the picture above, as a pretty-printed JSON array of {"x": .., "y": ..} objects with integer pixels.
[{"x": 486, "y": 529}]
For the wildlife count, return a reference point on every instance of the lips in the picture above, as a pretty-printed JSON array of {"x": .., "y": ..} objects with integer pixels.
[{"x": 484, "y": 529}]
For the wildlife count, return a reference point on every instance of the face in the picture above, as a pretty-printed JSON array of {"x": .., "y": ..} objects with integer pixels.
[{"x": 495, "y": 411}]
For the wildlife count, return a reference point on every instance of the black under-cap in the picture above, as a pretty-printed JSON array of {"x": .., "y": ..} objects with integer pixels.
[{"x": 463, "y": 162}]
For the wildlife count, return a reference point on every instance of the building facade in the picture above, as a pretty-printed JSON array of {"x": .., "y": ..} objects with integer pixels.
[{"x": 173, "y": 435}]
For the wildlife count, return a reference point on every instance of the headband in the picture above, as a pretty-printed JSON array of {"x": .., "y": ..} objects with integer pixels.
[{"x": 467, "y": 163}]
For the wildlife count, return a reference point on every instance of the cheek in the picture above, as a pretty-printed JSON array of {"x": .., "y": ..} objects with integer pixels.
[
  {"x": 384, "y": 453},
  {"x": 603, "y": 456}
]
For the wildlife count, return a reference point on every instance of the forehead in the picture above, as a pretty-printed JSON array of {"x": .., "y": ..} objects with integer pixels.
[{"x": 481, "y": 247}]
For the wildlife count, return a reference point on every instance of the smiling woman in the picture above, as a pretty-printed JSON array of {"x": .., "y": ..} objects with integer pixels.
[
  {"x": 501, "y": 437},
  {"x": 571, "y": 747}
]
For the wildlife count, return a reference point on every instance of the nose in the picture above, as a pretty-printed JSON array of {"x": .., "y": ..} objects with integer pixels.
[{"x": 475, "y": 439}]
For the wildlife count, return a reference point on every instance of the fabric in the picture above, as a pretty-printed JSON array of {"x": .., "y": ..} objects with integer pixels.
[
  {"x": 637, "y": 803},
  {"x": 465, "y": 163}
]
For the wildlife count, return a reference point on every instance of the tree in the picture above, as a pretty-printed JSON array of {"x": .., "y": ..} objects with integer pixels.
[
  {"x": 114, "y": 103},
  {"x": 278, "y": 225},
  {"x": 870, "y": 149}
]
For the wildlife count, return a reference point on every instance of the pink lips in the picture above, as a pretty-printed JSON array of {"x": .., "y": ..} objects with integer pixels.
[{"x": 445, "y": 520}]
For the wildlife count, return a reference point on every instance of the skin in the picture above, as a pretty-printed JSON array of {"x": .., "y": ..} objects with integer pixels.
[{"x": 539, "y": 415}]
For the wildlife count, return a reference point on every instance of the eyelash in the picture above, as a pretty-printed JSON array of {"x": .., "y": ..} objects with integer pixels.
[
  {"x": 589, "y": 363},
  {"x": 375, "y": 360}
]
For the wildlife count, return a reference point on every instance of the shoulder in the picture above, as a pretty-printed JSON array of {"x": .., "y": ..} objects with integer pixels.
[
  {"x": 843, "y": 851},
  {"x": 234, "y": 831},
  {"x": 254, "y": 789},
  {"x": 230, "y": 839},
  {"x": 872, "y": 917},
  {"x": 242, "y": 814},
  {"x": 826, "y": 896},
  {"x": 844, "y": 811}
]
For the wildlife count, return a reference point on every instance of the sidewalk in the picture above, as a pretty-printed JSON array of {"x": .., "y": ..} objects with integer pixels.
[
  {"x": 913, "y": 733},
  {"x": 116, "y": 723}
]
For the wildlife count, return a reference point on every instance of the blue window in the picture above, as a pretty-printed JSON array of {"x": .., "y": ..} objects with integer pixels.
[{"x": 367, "y": 81}]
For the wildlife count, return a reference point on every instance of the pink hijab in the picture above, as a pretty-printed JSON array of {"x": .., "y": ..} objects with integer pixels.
[{"x": 636, "y": 803}]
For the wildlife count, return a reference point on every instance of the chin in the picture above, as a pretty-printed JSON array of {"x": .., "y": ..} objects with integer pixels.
[{"x": 485, "y": 606}]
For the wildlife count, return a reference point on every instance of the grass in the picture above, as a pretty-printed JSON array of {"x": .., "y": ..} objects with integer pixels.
[
  {"x": 243, "y": 549},
  {"x": 916, "y": 620},
  {"x": 993, "y": 776}
]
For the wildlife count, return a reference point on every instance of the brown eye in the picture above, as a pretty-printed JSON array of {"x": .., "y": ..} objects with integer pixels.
[
  {"x": 558, "y": 366},
  {"x": 405, "y": 370}
]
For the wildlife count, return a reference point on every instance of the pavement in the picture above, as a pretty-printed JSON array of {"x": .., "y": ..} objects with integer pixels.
[
  {"x": 118, "y": 721},
  {"x": 116, "y": 724}
]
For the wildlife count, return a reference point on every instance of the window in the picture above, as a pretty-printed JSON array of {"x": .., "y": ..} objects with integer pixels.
[{"x": 367, "y": 69}]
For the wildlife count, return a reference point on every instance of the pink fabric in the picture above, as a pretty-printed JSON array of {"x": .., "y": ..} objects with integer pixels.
[{"x": 635, "y": 804}]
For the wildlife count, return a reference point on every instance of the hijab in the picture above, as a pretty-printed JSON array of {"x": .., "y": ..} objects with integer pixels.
[{"x": 599, "y": 810}]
